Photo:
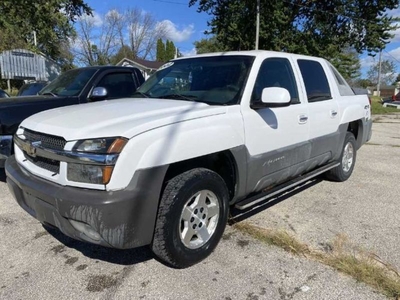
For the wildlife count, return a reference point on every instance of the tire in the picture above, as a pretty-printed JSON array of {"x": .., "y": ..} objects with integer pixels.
[
  {"x": 347, "y": 160},
  {"x": 191, "y": 219}
]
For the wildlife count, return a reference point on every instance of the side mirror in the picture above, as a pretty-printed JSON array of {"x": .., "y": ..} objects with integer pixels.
[
  {"x": 98, "y": 93},
  {"x": 273, "y": 97}
]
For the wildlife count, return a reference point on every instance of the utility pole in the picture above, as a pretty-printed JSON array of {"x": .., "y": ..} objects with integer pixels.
[
  {"x": 379, "y": 74},
  {"x": 258, "y": 24},
  {"x": 34, "y": 38}
]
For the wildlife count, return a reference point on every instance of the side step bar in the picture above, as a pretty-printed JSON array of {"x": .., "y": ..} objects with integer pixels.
[{"x": 246, "y": 203}]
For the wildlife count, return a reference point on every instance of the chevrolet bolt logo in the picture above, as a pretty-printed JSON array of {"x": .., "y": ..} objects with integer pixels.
[{"x": 31, "y": 148}]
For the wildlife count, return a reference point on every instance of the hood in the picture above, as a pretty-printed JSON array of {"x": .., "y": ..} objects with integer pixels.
[
  {"x": 17, "y": 101},
  {"x": 124, "y": 118}
]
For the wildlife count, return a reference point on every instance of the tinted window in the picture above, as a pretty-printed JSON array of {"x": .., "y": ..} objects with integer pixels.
[
  {"x": 118, "y": 85},
  {"x": 275, "y": 72},
  {"x": 30, "y": 89},
  {"x": 344, "y": 88},
  {"x": 70, "y": 83},
  {"x": 3, "y": 94},
  {"x": 338, "y": 77},
  {"x": 216, "y": 80},
  {"x": 317, "y": 86}
]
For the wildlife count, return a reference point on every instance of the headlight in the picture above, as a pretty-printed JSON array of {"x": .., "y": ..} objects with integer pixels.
[
  {"x": 101, "y": 146},
  {"x": 89, "y": 174},
  {"x": 95, "y": 174}
]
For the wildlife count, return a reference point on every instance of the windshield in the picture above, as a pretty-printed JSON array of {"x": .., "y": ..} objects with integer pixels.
[
  {"x": 70, "y": 83},
  {"x": 30, "y": 89},
  {"x": 217, "y": 80},
  {"x": 3, "y": 94}
]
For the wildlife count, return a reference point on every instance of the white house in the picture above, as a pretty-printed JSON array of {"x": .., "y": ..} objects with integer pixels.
[{"x": 146, "y": 66}]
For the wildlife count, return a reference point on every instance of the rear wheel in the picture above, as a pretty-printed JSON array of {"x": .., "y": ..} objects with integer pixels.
[
  {"x": 192, "y": 216},
  {"x": 347, "y": 160}
]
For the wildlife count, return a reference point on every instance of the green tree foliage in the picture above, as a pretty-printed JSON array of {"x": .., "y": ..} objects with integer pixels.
[
  {"x": 52, "y": 20},
  {"x": 363, "y": 83},
  {"x": 169, "y": 50},
  {"x": 161, "y": 50},
  {"x": 209, "y": 45},
  {"x": 321, "y": 28},
  {"x": 123, "y": 52},
  {"x": 165, "y": 52},
  {"x": 347, "y": 62},
  {"x": 388, "y": 73},
  {"x": 396, "y": 82}
]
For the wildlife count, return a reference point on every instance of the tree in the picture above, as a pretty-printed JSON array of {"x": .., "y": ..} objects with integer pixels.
[
  {"x": 347, "y": 62},
  {"x": 96, "y": 43},
  {"x": 123, "y": 52},
  {"x": 363, "y": 83},
  {"x": 52, "y": 20},
  {"x": 161, "y": 50},
  {"x": 99, "y": 41},
  {"x": 143, "y": 32},
  {"x": 320, "y": 28},
  {"x": 388, "y": 73},
  {"x": 396, "y": 82},
  {"x": 170, "y": 50},
  {"x": 209, "y": 45}
]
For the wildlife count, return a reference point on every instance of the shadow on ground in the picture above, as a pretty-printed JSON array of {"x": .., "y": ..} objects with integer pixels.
[
  {"x": 115, "y": 256},
  {"x": 237, "y": 215},
  {"x": 143, "y": 254},
  {"x": 2, "y": 175}
]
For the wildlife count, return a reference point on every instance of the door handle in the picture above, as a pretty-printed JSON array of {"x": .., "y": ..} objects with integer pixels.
[
  {"x": 303, "y": 119},
  {"x": 333, "y": 113}
]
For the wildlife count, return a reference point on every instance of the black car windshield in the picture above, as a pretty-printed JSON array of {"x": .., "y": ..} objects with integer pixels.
[
  {"x": 70, "y": 83},
  {"x": 3, "y": 94},
  {"x": 30, "y": 89},
  {"x": 217, "y": 80}
]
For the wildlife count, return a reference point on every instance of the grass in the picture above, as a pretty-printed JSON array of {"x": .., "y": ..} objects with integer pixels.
[
  {"x": 378, "y": 109},
  {"x": 341, "y": 255}
]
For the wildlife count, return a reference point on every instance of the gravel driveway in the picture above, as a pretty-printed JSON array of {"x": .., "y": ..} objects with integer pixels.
[{"x": 37, "y": 264}]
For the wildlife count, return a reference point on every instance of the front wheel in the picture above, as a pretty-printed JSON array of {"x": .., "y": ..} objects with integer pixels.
[
  {"x": 191, "y": 219},
  {"x": 347, "y": 160}
]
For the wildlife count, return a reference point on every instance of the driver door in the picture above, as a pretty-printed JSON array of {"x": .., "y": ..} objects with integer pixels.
[{"x": 276, "y": 138}]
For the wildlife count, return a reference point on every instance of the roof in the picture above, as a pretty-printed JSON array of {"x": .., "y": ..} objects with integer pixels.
[
  {"x": 102, "y": 67},
  {"x": 145, "y": 64},
  {"x": 252, "y": 53}
]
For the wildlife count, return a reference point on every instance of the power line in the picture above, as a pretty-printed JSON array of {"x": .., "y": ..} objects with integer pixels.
[
  {"x": 392, "y": 56},
  {"x": 171, "y": 2}
]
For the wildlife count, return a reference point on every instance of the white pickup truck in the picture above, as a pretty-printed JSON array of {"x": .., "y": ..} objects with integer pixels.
[{"x": 202, "y": 135}]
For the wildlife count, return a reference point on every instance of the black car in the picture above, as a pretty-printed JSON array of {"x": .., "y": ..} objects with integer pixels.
[
  {"x": 73, "y": 87},
  {"x": 30, "y": 89},
  {"x": 3, "y": 94}
]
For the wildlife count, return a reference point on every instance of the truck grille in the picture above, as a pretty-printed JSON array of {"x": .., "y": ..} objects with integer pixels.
[
  {"x": 47, "y": 141},
  {"x": 44, "y": 163}
]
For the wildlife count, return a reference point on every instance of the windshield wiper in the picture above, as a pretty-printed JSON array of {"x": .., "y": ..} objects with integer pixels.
[
  {"x": 49, "y": 94},
  {"x": 179, "y": 97},
  {"x": 141, "y": 94}
]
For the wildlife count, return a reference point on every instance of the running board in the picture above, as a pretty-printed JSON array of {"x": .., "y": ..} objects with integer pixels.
[{"x": 246, "y": 203}]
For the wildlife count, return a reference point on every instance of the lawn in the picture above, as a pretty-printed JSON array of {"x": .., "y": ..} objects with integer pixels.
[{"x": 378, "y": 109}]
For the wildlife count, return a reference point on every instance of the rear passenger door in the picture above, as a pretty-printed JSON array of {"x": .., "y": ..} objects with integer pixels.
[
  {"x": 323, "y": 110},
  {"x": 276, "y": 137}
]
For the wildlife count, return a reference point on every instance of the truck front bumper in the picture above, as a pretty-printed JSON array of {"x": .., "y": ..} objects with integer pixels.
[
  {"x": 6, "y": 144},
  {"x": 118, "y": 219}
]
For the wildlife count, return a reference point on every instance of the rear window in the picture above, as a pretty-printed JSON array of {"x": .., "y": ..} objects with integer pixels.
[
  {"x": 344, "y": 88},
  {"x": 315, "y": 80}
]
